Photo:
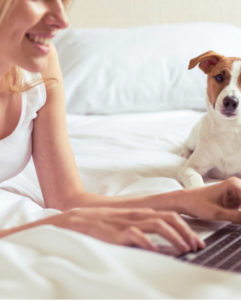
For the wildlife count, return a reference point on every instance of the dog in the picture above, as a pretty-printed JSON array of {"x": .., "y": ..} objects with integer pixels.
[{"x": 213, "y": 148}]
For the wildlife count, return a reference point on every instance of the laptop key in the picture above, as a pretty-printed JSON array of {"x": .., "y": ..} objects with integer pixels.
[
  {"x": 232, "y": 261},
  {"x": 224, "y": 254},
  {"x": 215, "y": 249}
]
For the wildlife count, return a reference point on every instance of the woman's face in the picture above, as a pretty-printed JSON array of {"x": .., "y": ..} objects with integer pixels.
[{"x": 27, "y": 32}]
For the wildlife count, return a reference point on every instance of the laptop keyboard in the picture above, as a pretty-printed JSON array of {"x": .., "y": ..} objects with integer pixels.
[{"x": 222, "y": 251}]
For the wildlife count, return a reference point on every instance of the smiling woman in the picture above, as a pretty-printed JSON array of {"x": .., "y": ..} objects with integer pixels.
[{"x": 36, "y": 42}]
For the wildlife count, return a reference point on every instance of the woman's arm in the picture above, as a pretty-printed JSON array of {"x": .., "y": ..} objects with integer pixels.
[
  {"x": 122, "y": 227},
  {"x": 219, "y": 201},
  {"x": 52, "y": 154}
]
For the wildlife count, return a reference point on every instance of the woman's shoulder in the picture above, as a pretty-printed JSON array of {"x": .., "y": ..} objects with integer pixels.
[{"x": 34, "y": 93}]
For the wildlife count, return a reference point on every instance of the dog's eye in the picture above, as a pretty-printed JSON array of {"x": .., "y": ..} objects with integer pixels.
[{"x": 219, "y": 78}]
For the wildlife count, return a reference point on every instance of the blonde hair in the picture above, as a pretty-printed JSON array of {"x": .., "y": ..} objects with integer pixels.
[{"x": 13, "y": 79}]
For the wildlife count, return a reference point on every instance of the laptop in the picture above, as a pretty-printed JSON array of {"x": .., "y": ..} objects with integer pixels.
[
  {"x": 222, "y": 251},
  {"x": 223, "y": 245}
]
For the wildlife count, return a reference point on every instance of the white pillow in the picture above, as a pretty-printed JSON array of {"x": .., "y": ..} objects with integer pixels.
[{"x": 143, "y": 69}]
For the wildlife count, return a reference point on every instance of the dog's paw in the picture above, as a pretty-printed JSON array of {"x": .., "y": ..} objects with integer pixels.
[
  {"x": 189, "y": 177},
  {"x": 192, "y": 181}
]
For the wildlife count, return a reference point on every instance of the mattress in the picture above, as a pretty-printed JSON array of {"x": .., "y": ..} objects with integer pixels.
[{"x": 123, "y": 154}]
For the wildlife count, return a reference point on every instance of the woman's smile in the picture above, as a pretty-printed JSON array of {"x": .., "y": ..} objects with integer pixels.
[{"x": 41, "y": 41}]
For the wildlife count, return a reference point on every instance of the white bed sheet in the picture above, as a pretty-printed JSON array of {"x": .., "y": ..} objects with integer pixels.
[{"x": 116, "y": 155}]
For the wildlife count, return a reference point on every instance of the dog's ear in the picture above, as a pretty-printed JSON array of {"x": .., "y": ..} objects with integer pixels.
[{"x": 206, "y": 61}]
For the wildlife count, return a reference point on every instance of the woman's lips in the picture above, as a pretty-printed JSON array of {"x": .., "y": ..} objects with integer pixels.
[{"x": 41, "y": 43}]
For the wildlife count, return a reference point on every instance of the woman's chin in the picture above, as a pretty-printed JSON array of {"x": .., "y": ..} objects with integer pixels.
[{"x": 36, "y": 66}]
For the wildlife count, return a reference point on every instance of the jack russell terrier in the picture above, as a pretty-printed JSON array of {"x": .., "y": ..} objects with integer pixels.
[{"x": 213, "y": 148}]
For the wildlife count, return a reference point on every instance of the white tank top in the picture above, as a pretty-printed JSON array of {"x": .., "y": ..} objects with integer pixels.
[{"x": 16, "y": 148}]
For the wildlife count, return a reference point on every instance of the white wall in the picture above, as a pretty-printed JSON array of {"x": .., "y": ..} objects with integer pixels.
[{"x": 126, "y": 13}]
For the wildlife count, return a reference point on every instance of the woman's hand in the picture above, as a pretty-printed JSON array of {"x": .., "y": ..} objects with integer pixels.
[
  {"x": 128, "y": 226},
  {"x": 216, "y": 202}
]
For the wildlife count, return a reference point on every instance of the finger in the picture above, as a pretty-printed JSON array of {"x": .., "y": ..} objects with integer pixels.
[
  {"x": 134, "y": 236},
  {"x": 155, "y": 226},
  {"x": 184, "y": 230},
  {"x": 232, "y": 195},
  {"x": 165, "y": 230},
  {"x": 232, "y": 202}
]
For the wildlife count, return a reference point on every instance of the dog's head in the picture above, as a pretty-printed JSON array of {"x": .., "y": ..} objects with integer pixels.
[{"x": 223, "y": 82}]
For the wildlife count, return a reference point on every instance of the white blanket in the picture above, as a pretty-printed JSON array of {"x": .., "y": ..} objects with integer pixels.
[{"x": 116, "y": 155}]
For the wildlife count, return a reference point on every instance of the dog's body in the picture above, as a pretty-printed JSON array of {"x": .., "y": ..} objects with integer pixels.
[{"x": 214, "y": 145}]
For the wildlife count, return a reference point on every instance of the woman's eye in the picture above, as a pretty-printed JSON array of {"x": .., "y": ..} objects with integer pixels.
[{"x": 219, "y": 78}]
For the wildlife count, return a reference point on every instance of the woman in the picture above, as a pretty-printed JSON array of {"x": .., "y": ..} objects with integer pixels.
[{"x": 26, "y": 30}]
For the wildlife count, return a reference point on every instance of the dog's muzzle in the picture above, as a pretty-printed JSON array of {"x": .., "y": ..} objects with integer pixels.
[{"x": 230, "y": 104}]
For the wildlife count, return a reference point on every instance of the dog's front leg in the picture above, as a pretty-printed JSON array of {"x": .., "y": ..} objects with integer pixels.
[
  {"x": 190, "y": 178},
  {"x": 190, "y": 174}
]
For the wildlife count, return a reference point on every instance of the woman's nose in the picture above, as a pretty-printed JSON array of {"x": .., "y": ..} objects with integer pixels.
[{"x": 57, "y": 17}]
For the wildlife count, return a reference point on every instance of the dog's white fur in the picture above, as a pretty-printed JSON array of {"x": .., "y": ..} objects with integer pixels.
[{"x": 214, "y": 145}]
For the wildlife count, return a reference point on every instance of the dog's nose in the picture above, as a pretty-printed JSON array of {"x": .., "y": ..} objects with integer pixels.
[{"x": 230, "y": 103}]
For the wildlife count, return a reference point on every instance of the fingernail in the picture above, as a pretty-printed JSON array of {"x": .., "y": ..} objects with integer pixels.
[
  {"x": 186, "y": 247},
  {"x": 194, "y": 244},
  {"x": 154, "y": 247},
  {"x": 202, "y": 244}
]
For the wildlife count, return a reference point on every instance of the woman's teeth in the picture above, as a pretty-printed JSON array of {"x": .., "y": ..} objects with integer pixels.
[{"x": 37, "y": 39}]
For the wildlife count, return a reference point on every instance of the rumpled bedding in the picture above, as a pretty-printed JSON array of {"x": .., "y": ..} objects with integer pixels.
[{"x": 116, "y": 155}]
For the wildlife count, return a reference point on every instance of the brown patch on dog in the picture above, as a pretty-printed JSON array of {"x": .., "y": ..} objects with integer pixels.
[
  {"x": 222, "y": 67},
  {"x": 239, "y": 81}
]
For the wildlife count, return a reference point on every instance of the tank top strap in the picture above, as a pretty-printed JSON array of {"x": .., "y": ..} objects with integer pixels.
[{"x": 34, "y": 98}]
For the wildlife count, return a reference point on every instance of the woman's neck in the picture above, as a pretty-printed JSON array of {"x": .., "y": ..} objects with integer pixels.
[{"x": 4, "y": 69}]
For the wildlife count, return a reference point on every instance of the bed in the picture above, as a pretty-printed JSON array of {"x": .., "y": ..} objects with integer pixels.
[{"x": 130, "y": 103}]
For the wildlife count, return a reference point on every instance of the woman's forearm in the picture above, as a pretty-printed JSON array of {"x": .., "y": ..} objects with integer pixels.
[
  {"x": 6, "y": 232},
  {"x": 176, "y": 201}
]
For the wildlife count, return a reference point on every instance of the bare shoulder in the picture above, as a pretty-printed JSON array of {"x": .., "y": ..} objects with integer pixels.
[{"x": 54, "y": 86}]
